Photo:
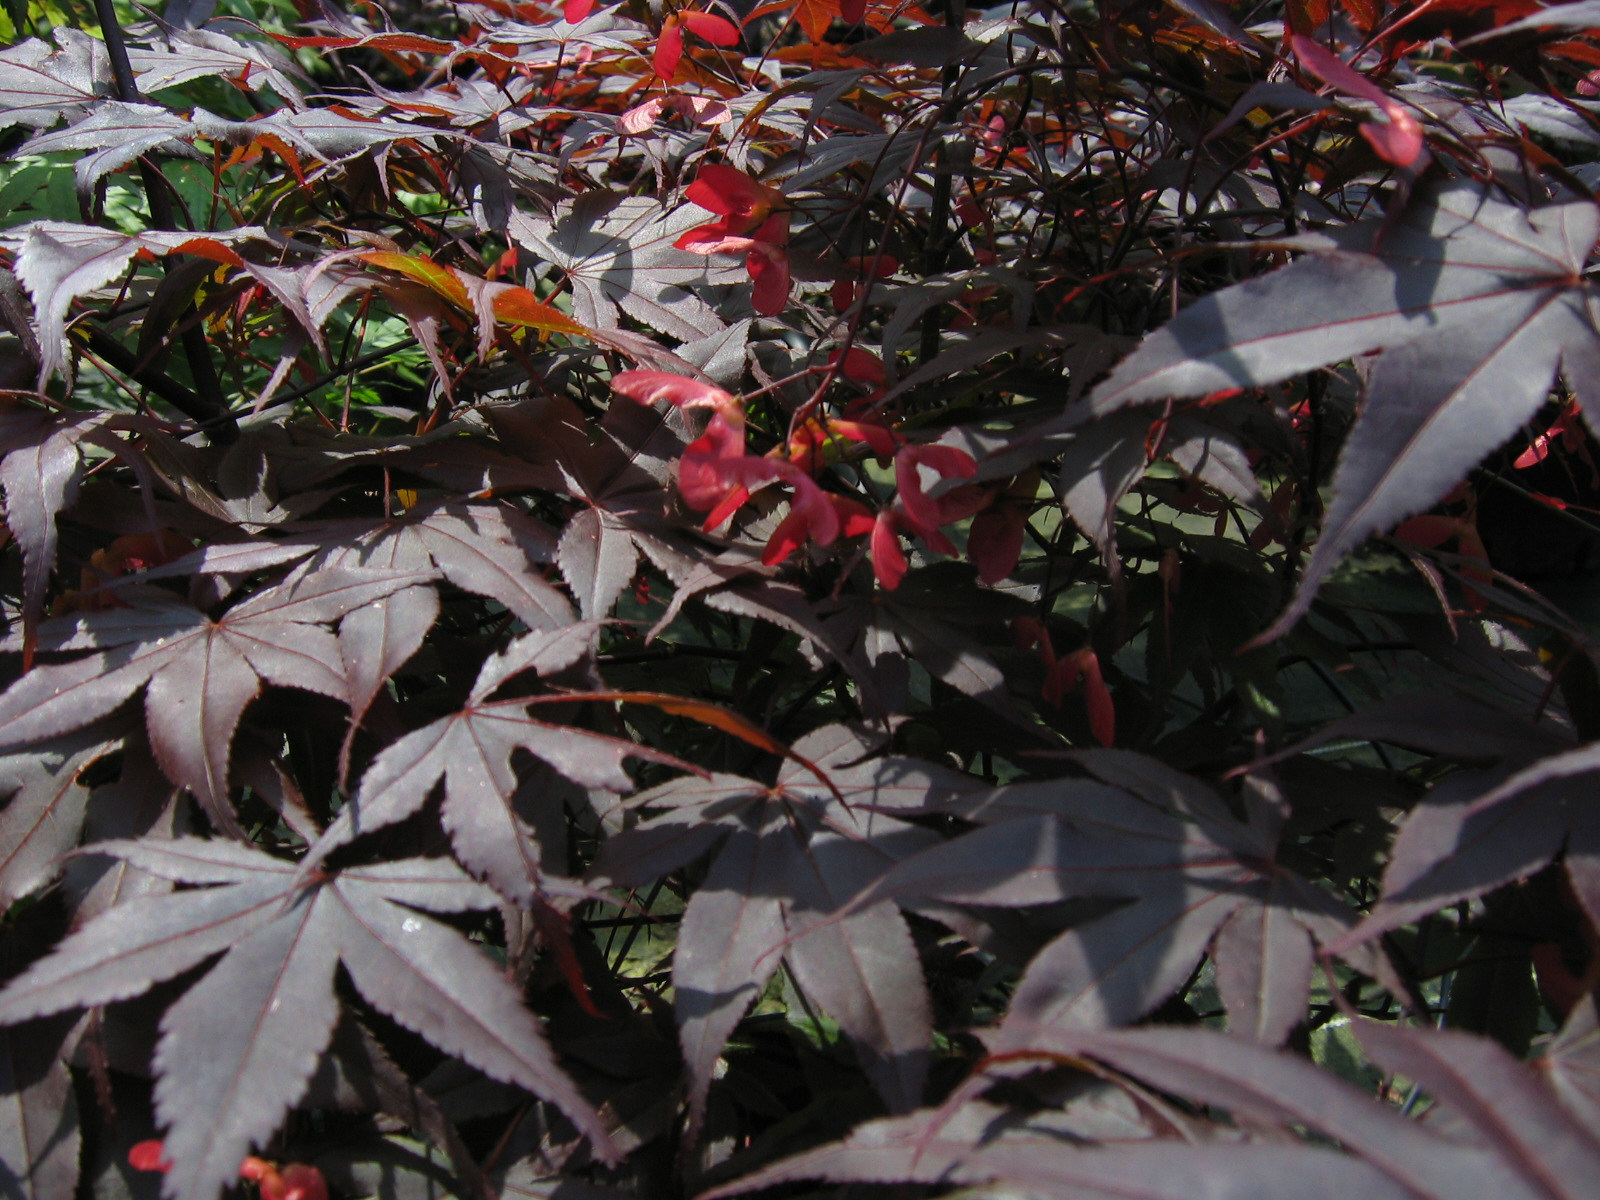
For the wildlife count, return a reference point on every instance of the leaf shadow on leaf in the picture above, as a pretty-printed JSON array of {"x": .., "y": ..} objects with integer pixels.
[{"x": 40, "y": 1139}]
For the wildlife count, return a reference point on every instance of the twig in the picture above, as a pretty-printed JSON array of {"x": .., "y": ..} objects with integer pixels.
[{"x": 206, "y": 406}]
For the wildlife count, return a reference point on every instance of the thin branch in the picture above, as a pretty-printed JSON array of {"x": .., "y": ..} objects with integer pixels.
[{"x": 206, "y": 406}]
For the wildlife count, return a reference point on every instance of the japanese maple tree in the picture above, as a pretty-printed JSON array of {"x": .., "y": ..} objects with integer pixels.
[{"x": 702, "y": 599}]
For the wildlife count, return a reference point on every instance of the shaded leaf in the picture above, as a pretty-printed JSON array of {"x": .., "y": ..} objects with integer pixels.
[
  {"x": 732, "y": 923},
  {"x": 200, "y": 673},
  {"x": 975, "y": 1146},
  {"x": 40, "y": 1137},
  {"x": 471, "y": 751},
  {"x": 487, "y": 549},
  {"x": 1441, "y": 723},
  {"x": 40, "y": 475},
  {"x": 141, "y": 802},
  {"x": 1276, "y": 1088},
  {"x": 1113, "y": 969},
  {"x": 1476, "y": 303},
  {"x": 1510, "y": 1107},
  {"x": 862, "y": 971},
  {"x": 1572, "y": 1064},
  {"x": 1263, "y": 958},
  {"x": 820, "y": 842},
  {"x": 42, "y": 820},
  {"x": 1040, "y": 860},
  {"x": 1453, "y": 846}
]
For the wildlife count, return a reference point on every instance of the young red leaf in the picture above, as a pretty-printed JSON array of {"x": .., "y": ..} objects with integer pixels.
[
  {"x": 860, "y": 366},
  {"x": 994, "y": 542},
  {"x": 652, "y": 387},
  {"x": 769, "y": 272},
  {"x": 669, "y": 49},
  {"x": 40, "y": 475},
  {"x": 1102, "y": 715},
  {"x": 923, "y": 512},
  {"x": 888, "y": 560},
  {"x": 719, "y": 31},
  {"x": 149, "y": 1156},
  {"x": 733, "y": 194}
]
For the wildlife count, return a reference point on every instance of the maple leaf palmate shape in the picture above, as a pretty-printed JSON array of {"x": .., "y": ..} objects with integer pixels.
[
  {"x": 198, "y": 673},
  {"x": 1475, "y": 304},
  {"x": 239, "y": 1047},
  {"x": 824, "y": 843}
]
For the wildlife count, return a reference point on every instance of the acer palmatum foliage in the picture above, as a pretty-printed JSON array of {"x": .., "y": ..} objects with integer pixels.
[{"x": 616, "y": 600}]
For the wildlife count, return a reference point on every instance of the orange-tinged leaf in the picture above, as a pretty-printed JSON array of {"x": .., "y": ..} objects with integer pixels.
[
  {"x": 519, "y": 306},
  {"x": 212, "y": 249},
  {"x": 1102, "y": 713},
  {"x": 1305, "y": 16},
  {"x": 815, "y": 16},
  {"x": 426, "y": 272},
  {"x": 824, "y": 56},
  {"x": 707, "y": 714},
  {"x": 511, "y": 305}
]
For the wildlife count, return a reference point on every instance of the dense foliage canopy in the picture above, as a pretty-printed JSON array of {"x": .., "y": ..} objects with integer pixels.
[{"x": 685, "y": 599}]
